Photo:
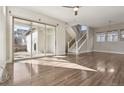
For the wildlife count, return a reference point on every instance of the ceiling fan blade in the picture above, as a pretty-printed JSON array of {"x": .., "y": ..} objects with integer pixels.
[
  {"x": 75, "y": 9},
  {"x": 68, "y": 6}
]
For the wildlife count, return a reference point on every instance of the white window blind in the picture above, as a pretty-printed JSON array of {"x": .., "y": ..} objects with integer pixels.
[
  {"x": 112, "y": 36},
  {"x": 100, "y": 37}
]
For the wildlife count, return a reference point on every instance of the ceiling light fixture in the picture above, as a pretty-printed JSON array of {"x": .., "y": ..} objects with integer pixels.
[{"x": 75, "y": 9}]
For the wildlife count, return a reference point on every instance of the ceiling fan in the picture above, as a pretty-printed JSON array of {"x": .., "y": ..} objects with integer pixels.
[{"x": 75, "y": 9}]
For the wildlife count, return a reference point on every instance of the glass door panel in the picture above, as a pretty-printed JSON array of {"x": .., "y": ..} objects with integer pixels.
[
  {"x": 38, "y": 40},
  {"x": 31, "y": 39},
  {"x": 21, "y": 39},
  {"x": 50, "y": 40}
]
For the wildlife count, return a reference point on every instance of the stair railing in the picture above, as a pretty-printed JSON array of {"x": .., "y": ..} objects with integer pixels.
[
  {"x": 78, "y": 45},
  {"x": 5, "y": 76},
  {"x": 70, "y": 43}
]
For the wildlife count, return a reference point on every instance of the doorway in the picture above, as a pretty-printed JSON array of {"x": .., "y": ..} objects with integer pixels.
[{"x": 32, "y": 39}]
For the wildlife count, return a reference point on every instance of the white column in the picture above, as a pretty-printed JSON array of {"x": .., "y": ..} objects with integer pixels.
[
  {"x": 2, "y": 38},
  {"x": 76, "y": 47}
]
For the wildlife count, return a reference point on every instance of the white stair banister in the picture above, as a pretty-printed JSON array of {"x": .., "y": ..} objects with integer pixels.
[
  {"x": 80, "y": 40},
  {"x": 77, "y": 47}
]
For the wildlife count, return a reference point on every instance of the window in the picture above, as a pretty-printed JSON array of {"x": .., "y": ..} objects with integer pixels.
[
  {"x": 122, "y": 35},
  {"x": 100, "y": 37},
  {"x": 84, "y": 28},
  {"x": 112, "y": 36}
]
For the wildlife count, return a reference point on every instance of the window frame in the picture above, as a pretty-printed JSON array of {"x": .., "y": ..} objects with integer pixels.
[
  {"x": 112, "y": 36},
  {"x": 100, "y": 35},
  {"x": 122, "y": 37}
]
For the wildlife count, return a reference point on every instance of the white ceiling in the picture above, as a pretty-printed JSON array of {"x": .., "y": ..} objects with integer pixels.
[{"x": 94, "y": 16}]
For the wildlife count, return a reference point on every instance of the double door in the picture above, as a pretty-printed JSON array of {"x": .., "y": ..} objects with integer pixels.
[{"x": 32, "y": 39}]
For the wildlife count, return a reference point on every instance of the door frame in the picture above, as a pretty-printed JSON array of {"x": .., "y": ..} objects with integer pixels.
[{"x": 15, "y": 17}]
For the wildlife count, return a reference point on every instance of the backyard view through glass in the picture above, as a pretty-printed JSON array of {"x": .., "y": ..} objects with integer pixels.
[
  {"x": 21, "y": 46},
  {"x": 32, "y": 39}
]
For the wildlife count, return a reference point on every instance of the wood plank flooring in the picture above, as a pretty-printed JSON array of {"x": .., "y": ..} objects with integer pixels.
[{"x": 109, "y": 71}]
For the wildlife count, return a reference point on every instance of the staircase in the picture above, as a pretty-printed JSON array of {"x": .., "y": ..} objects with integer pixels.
[
  {"x": 4, "y": 75},
  {"x": 75, "y": 45}
]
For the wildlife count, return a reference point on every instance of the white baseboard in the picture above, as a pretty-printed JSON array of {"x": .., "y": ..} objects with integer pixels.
[
  {"x": 81, "y": 52},
  {"x": 108, "y": 51}
]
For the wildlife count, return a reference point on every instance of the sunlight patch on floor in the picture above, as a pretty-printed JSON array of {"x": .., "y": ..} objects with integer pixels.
[
  {"x": 60, "y": 56},
  {"x": 58, "y": 64},
  {"x": 52, "y": 59}
]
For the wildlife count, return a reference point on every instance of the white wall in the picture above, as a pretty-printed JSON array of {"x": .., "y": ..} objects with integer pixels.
[
  {"x": 2, "y": 39},
  {"x": 60, "y": 33},
  {"x": 60, "y": 40},
  {"x": 113, "y": 47},
  {"x": 90, "y": 40},
  {"x": 70, "y": 31}
]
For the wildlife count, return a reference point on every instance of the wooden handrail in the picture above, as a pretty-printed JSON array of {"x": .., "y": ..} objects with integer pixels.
[
  {"x": 70, "y": 43},
  {"x": 79, "y": 46},
  {"x": 82, "y": 36}
]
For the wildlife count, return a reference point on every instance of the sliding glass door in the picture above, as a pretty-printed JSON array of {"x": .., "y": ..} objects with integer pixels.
[
  {"x": 21, "y": 39},
  {"x": 50, "y": 40},
  {"x": 38, "y": 40},
  {"x": 32, "y": 39}
]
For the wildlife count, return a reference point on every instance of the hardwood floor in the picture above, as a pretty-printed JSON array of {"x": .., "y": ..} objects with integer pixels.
[{"x": 109, "y": 70}]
